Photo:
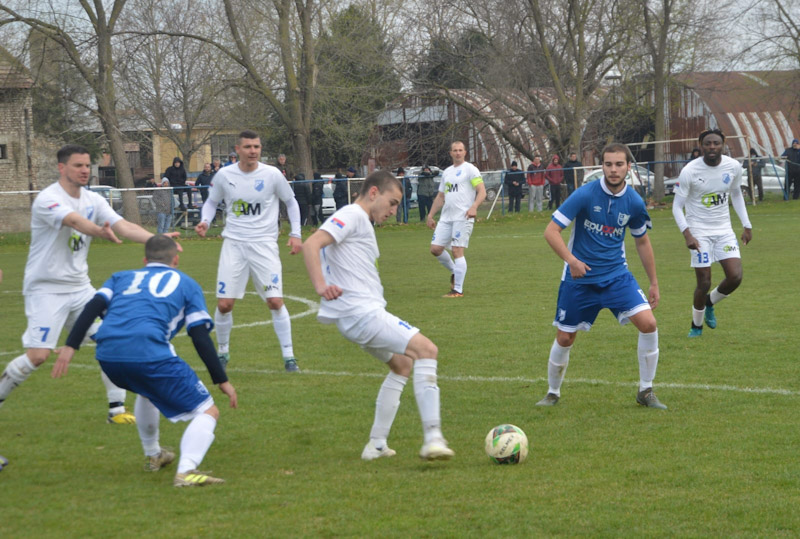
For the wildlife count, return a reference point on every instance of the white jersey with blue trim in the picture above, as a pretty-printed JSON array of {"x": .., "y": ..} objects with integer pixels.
[
  {"x": 146, "y": 309},
  {"x": 351, "y": 263},
  {"x": 598, "y": 236},
  {"x": 707, "y": 190},
  {"x": 458, "y": 185},
  {"x": 251, "y": 201},
  {"x": 57, "y": 256}
]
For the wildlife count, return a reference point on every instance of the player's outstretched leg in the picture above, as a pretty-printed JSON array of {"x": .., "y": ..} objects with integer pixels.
[
  {"x": 426, "y": 392},
  {"x": 386, "y": 409},
  {"x": 16, "y": 372},
  {"x": 556, "y": 369},
  {"x": 194, "y": 444}
]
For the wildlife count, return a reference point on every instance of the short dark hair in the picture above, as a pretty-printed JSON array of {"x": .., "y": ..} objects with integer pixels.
[
  {"x": 715, "y": 131},
  {"x": 248, "y": 133},
  {"x": 160, "y": 248},
  {"x": 382, "y": 179},
  {"x": 615, "y": 147},
  {"x": 68, "y": 151}
]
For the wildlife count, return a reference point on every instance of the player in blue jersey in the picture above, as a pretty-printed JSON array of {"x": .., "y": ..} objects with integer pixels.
[
  {"x": 596, "y": 274},
  {"x": 144, "y": 309}
]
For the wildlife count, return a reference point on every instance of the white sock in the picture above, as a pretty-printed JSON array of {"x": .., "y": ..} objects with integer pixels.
[
  {"x": 557, "y": 367},
  {"x": 386, "y": 408},
  {"x": 223, "y": 323},
  {"x": 147, "y": 424},
  {"x": 282, "y": 324},
  {"x": 697, "y": 316},
  {"x": 460, "y": 273},
  {"x": 446, "y": 260},
  {"x": 17, "y": 371},
  {"x": 427, "y": 393},
  {"x": 195, "y": 442},
  {"x": 114, "y": 393},
  {"x": 716, "y": 296},
  {"x": 648, "y": 359}
]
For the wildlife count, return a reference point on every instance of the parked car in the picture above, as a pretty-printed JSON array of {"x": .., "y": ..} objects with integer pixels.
[
  {"x": 328, "y": 204},
  {"x": 772, "y": 179},
  {"x": 113, "y": 196}
]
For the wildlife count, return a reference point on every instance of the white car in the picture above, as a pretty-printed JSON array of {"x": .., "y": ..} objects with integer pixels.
[
  {"x": 772, "y": 179},
  {"x": 328, "y": 204}
]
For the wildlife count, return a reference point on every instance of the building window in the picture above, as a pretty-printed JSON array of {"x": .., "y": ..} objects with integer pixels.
[
  {"x": 3, "y": 151},
  {"x": 222, "y": 146}
]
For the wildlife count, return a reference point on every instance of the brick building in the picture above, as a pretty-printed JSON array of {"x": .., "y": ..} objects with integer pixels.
[{"x": 16, "y": 164}]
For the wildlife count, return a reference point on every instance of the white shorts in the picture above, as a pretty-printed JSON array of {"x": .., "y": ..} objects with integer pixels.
[
  {"x": 240, "y": 260},
  {"x": 379, "y": 333},
  {"x": 453, "y": 233},
  {"x": 715, "y": 248},
  {"x": 48, "y": 314}
]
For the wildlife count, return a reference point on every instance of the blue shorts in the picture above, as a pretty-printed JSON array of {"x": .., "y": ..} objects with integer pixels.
[
  {"x": 579, "y": 303},
  {"x": 170, "y": 384}
]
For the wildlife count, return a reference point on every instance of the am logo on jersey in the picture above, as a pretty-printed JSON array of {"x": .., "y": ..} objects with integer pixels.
[
  {"x": 714, "y": 199},
  {"x": 242, "y": 207},
  {"x": 76, "y": 242}
]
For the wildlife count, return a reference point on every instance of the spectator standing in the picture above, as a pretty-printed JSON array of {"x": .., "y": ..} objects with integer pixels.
[
  {"x": 408, "y": 190},
  {"x": 340, "y": 189},
  {"x": 535, "y": 180},
  {"x": 792, "y": 157},
  {"x": 302, "y": 194},
  {"x": 176, "y": 174},
  {"x": 164, "y": 203},
  {"x": 215, "y": 165},
  {"x": 573, "y": 178},
  {"x": 317, "y": 192},
  {"x": 756, "y": 167},
  {"x": 696, "y": 152},
  {"x": 426, "y": 191},
  {"x": 232, "y": 159},
  {"x": 514, "y": 180},
  {"x": 555, "y": 177},
  {"x": 203, "y": 181}
]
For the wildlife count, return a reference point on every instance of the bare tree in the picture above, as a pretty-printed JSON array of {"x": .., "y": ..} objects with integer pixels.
[
  {"x": 544, "y": 61},
  {"x": 86, "y": 35},
  {"x": 174, "y": 85}
]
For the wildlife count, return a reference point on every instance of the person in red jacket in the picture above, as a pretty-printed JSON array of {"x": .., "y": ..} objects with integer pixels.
[
  {"x": 535, "y": 180},
  {"x": 555, "y": 177}
]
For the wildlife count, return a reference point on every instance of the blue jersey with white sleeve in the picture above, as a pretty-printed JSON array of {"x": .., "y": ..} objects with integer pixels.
[
  {"x": 598, "y": 236},
  {"x": 146, "y": 309}
]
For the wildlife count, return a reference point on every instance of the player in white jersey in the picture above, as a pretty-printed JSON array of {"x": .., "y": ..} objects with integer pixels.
[
  {"x": 352, "y": 298},
  {"x": 461, "y": 192},
  {"x": 64, "y": 219},
  {"x": 251, "y": 191},
  {"x": 705, "y": 185}
]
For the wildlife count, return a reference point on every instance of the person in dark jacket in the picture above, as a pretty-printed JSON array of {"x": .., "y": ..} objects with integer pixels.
[
  {"x": 204, "y": 181},
  {"x": 176, "y": 174},
  {"x": 754, "y": 164},
  {"x": 302, "y": 194},
  {"x": 426, "y": 192},
  {"x": 792, "y": 156},
  {"x": 316, "y": 199},
  {"x": 514, "y": 180},
  {"x": 555, "y": 177},
  {"x": 340, "y": 188},
  {"x": 573, "y": 178}
]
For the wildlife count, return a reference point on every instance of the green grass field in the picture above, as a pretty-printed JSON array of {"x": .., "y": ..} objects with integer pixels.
[{"x": 722, "y": 461}]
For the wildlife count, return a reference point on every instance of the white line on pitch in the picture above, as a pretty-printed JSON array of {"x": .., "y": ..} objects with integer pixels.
[{"x": 519, "y": 379}]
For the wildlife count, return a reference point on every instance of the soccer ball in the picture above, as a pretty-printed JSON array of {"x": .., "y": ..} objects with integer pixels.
[{"x": 506, "y": 444}]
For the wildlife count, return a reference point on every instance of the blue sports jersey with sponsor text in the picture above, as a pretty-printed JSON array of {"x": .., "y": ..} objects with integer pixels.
[
  {"x": 598, "y": 234},
  {"x": 146, "y": 309}
]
